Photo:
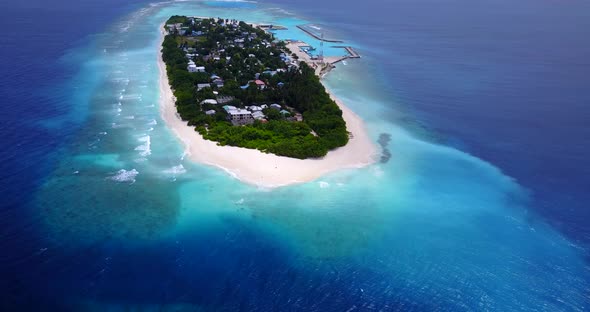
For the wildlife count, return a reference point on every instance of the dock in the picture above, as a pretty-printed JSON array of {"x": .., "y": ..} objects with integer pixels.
[
  {"x": 318, "y": 37},
  {"x": 352, "y": 53},
  {"x": 271, "y": 27}
]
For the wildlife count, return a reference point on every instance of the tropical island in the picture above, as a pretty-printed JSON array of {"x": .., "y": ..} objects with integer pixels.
[
  {"x": 240, "y": 87},
  {"x": 255, "y": 106}
]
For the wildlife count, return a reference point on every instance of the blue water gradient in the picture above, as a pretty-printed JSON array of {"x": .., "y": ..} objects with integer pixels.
[{"x": 102, "y": 211}]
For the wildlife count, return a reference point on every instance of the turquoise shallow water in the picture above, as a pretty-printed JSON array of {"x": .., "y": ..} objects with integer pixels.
[{"x": 127, "y": 221}]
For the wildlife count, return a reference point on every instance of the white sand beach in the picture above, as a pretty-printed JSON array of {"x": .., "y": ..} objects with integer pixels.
[{"x": 266, "y": 170}]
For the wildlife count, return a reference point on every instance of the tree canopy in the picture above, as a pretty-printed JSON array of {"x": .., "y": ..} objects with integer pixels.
[{"x": 210, "y": 43}]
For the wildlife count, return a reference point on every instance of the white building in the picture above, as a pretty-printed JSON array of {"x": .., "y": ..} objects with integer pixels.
[
  {"x": 210, "y": 112},
  {"x": 192, "y": 68},
  {"x": 258, "y": 115},
  {"x": 201, "y": 86},
  {"x": 209, "y": 101},
  {"x": 240, "y": 117}
]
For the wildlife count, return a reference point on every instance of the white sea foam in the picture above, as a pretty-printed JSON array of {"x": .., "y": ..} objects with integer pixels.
[
  {"x": 145, "y": 148},
  {"x": 283, "y": 11},
  {"x": 115, "y": 125},
  {"x": 125, "y": 28},
  {"x": 129, "y": 117},
  {"x": 122, "y": 80},
  {"x": 125, "y": 175},
  {"x": 377, "y": 171},
  {"x": 176, "y": 170},
  {"x": 324, "y": 184},
  {"x": 131, "y": 97},
  {"x": 153, "y": 122},
  {"x": 240, "y": 202}
]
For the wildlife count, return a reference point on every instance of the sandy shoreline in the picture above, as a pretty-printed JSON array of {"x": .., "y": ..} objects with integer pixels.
[{"x": 254, "y": 167}]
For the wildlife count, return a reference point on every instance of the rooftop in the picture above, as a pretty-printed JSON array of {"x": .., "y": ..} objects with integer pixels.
[{"x": 238, "y": 111}]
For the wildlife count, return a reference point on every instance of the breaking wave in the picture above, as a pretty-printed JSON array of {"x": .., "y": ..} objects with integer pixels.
[
  {"x": 145, "y": 148},
  {"x": 125, "y": 175}
]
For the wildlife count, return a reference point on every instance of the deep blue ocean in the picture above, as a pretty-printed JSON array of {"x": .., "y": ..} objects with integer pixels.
[{"x": 484, "y": 204}]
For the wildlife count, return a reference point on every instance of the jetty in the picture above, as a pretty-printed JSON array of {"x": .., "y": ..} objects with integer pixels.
[
  {"x": 309, "y": 32},
  {"x": 271, "y": 27},
  {"x": 352, "y": 53}
]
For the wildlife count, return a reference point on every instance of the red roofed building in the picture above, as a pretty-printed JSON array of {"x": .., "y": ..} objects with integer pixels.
[{"x": 260, "y": 84}]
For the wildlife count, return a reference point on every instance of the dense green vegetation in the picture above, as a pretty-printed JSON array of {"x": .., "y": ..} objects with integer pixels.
[{"x": 211, "y": 44}]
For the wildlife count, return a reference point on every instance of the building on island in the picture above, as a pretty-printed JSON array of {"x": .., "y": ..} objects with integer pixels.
[
  {"x": 192, "y": 67},
  {"x": 222, "y": 99},
  {"x": 219, "y": 82},
  {"x": 201, "y": 86},
  {"x": 210, "y": 112},
  {"x": 275, "y": 106},
  {"x": 210, "y": 101},
  {"x": 258, "y": 115},
  {"x": 239, "y": 116},
  {"x": 260, "y": 84}
]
